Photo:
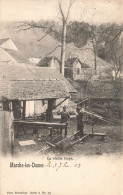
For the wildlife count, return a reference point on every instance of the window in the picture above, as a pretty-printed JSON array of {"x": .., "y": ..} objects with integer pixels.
[{"x": 78, "y": 71}]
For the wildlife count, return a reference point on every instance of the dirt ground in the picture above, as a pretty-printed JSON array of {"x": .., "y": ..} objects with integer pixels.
[{"x": 112, "y": 145}]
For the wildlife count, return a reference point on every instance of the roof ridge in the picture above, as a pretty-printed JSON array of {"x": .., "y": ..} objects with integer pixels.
[
  {"x": 3, "y": 40},
  {"x": 25, "y": 79}
]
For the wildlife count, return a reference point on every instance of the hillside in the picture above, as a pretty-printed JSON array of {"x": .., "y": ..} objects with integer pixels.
[
  {"x": 26, "y": 41},
  {"x": 28, "y": 44}
]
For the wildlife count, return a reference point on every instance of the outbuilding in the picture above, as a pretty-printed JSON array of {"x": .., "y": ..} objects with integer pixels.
[{"x": 24, "y": 84}]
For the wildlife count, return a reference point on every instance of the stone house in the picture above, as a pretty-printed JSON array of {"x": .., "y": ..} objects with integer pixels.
[
  {"x": 74, "y": 68},
  {"x": 52, "y": 62}
]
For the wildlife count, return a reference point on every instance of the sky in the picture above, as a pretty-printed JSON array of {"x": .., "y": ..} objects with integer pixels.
[{"x": 92, "y": 11}]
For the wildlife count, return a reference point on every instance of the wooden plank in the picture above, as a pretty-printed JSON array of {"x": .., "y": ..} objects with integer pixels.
[
  {"x": 101, "y": 118},
  {"x": 50, "y": 144},
  {"x": 76, "y": 133},
  {"x": 98, "y": 134},
  {"x": 57, "y": 139},
  {"x": 27, "y": 143},
  {"x": 45, "y": 124},
  {"x": 79, "y": 140},
  {"x": 63, "y": 144},
  {"x": 41, "y": 123}
]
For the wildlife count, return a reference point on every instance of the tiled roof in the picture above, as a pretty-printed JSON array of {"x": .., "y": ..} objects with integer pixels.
[
  {"x": 86, "y": 55},
  {"x": 84, "y": 65},
  {"x": 70, "y": 61},
  {"x": 45, "y": 61},
  {"x": 3, "y": 40},
  {"x": 26, "y": 82},
  {"x": 17, "y": 56}
]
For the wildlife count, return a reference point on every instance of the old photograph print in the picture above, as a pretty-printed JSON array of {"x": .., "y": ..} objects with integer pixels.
[{"x": 61, "y": 73}]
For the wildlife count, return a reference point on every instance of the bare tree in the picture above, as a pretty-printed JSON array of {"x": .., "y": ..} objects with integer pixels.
[
  {"x": 64, "y": 26},
  {"x": 116, "y": 62},
  {"x": 115, "y": 52},
  {"x": 48, "y": 29},
  {"x": 94, "y": 41},
  {"x": 107, "y": 36}
]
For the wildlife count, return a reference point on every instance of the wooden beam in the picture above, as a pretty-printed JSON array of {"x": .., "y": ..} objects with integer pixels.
[
  {"x": 24, "y": 109},
  {"x": 79, "y": 140},
  {"x": 76, "y": 133},
  {"x": 98, "y": 134},
  {"x": 50, "y": 144},
  {"x": 60, "y": 103},
  {"x": 100, "y": 117},
  {"x": 49, "y": 115},
  {"x": 46, "y": 124}
]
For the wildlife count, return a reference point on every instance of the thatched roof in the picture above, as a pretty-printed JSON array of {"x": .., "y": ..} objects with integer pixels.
[{"x": 26, "y": 82}]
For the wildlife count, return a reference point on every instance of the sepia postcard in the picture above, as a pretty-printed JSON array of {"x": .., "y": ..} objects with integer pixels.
[{"x": 61, "y": 73}]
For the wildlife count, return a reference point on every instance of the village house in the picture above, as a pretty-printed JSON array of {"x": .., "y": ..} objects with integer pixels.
[
  {"x": 9, "y": 52},
  {"x": 7, "y": 43},
  {"x": 51, "y": 61},
  {"x": 34, "y": 61},
  {"x": 86, "y": 56},
  {"x": 74, "y": 68}
]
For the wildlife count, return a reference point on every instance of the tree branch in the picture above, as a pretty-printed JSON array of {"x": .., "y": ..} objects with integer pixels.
[
  {"x": 43, "y": 36},
  {"x": 116, "y": 36},
  {"x": 68, "y": 12},
  {"x": 60, "y": 8},
  {"x": 26, "y": 26},
  {"x": 53, "y": 50}
]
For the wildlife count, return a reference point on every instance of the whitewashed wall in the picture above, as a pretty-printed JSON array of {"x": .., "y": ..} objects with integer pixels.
[{"x": 35, "y": 107}]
